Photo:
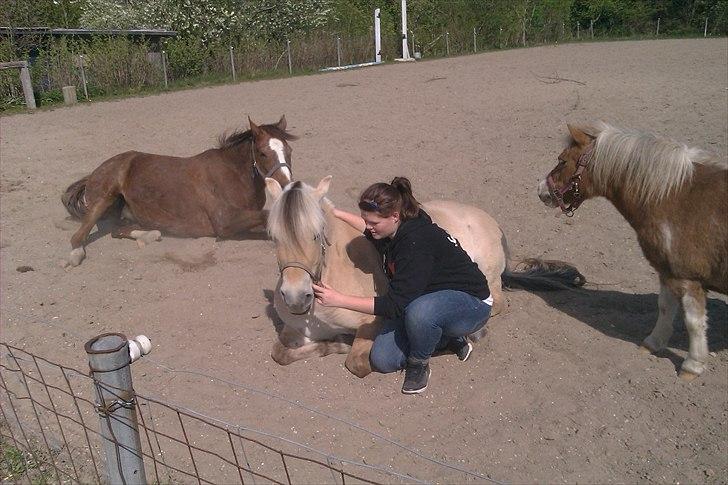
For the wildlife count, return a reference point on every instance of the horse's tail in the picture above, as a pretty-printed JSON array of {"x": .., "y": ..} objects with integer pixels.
[
  {"x": 73, "y": 198},
  {"x": 540, "y": 274}
]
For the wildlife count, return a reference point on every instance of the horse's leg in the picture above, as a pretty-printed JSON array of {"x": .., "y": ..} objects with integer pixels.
[
  {"x": 293, "y": 346},
  {"x": 499, "y": 299},
  {"x": 696, "y": 322},
  {"x": 242, "y": 221},
  {"x": 136, "y": 232},
  {"x": 667, "y": 304},
  {"x": 358, "y": 359},
  {"x": 78, "y": 253}
]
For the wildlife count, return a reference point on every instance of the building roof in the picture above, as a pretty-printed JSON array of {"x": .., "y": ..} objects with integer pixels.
[{"x": 6, "y": 31}]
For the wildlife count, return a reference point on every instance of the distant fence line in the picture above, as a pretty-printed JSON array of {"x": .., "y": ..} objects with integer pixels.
[
  {"x": 112, "y": 66},
  {"x": 66, "y": 425}
]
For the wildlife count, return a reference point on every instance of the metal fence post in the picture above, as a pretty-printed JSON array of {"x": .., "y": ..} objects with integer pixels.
[
  {"x": 377, "y": 36},
  {"x": 232, "y": 62},
  {"x": 705, "y": 30},
  {"x": 338, "y": 51},
  {"x": 591, "y": 28},
  {"x": 164, "y": 68},
  {"x": 578, "y": 31},
  {"x": 447, "y": 43},
  {"x": 290, "y": 62},
  {"x": 83, "y": 76},
  {"x": 475, "y": 41},
  {"x": 658, "y": 27},
  {"x": 109, "y": 358}
]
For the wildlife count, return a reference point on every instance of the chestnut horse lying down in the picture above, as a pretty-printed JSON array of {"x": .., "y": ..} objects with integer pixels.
[
  {"x": 675, "y": 198},
  {"x": 313, "y": 245},
  {"x": 219, "y": 192}
]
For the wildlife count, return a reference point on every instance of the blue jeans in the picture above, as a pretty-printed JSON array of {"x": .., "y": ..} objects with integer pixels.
[{"x": 428, "y": 324}]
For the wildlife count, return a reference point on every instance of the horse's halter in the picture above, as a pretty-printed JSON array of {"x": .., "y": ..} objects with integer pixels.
[
  {"x": 572, "y": 184},
  {"x": 273, "y": 169},
  {"x": 315, "y": 272}
]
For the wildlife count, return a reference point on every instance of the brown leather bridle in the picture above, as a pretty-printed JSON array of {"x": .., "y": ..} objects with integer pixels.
[
  {"x": 314, "y": 273},
  {"x": 572, "y": 185}
]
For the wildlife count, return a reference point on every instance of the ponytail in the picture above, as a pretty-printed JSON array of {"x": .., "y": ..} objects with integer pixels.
[
  {"x": 409, "y": 207},
  {"x": 385, "y": 199}
]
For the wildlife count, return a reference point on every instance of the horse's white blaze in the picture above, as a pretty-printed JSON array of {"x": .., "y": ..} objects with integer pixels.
[{"x": 277, "y": 146}]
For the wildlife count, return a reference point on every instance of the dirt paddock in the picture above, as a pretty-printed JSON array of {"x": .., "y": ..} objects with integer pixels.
[{"x": 557, "y": 392}]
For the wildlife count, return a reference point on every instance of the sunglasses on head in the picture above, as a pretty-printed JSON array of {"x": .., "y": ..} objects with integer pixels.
[{"x": 369, "y": 205}]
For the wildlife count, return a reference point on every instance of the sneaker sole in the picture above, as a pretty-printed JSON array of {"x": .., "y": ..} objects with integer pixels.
[
  {"x": 470, "y": 351},
  {"x": 417, "y": 391}
]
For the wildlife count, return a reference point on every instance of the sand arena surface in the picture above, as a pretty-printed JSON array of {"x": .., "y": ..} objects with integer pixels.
[{"x": 557, "y": 392}]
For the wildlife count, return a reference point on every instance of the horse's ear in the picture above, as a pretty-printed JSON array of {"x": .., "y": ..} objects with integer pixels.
[
  {"x": 254, "y": 128},
  {"x": 273, "y": 188},
  {"x": 281, "y": 125},
  {"x": 579, "y": 135},
  {"x": 323, "y": 186}
]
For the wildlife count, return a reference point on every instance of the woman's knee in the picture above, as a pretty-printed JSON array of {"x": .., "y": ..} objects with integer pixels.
[{"x": 385, "y": 358}]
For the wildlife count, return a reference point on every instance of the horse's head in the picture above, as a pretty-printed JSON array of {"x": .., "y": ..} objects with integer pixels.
[
  {"x": 297, "y": 225},
  {"x": 270, "y": 151},
  {"x": 569, "y": 184}
]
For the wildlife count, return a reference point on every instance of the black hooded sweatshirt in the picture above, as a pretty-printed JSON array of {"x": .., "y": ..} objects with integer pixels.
[{"x": 423, "y": 258}]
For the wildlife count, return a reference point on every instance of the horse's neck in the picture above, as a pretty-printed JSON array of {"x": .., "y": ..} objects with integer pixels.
[{"x": 350, "y": 252}]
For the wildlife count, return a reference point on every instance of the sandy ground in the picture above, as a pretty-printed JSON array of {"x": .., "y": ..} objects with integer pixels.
[{"x": 558, "y": 392}]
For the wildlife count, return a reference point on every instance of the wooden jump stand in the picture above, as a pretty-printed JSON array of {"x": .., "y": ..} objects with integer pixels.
[{"x": 24, "y": 80}]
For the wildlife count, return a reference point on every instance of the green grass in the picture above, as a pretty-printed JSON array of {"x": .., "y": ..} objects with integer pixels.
[{"x": 17, "y": 465}]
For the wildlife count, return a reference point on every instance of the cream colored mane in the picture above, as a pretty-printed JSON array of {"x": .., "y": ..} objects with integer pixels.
[
  {"x": 296, "y": 217},
  {"x": 647, "y": 166}
]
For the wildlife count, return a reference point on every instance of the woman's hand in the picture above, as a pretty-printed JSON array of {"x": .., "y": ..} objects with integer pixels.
[{"x": 326, "y": 295}]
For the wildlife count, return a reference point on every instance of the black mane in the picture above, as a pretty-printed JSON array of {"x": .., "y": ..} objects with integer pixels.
[{"x": 238, "y": 137}]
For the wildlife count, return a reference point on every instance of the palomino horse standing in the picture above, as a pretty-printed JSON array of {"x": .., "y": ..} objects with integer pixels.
[
  {"x": 313, "y": 245},
  {"x": 219, "y": 192},
  {"x": 675, "y": 198}
]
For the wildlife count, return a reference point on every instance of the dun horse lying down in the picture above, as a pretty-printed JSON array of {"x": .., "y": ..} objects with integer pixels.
[
  {"x": 675, "y": 198},
  {"x": 219, "y": 192},
  {"x": 313, "y": 245}
]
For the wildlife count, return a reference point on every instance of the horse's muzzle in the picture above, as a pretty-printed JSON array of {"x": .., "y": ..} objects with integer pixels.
[{"x": 545, "y": 194}]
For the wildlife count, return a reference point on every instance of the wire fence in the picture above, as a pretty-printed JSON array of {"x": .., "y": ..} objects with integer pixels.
[
  {"x": 54, "y": 428},
  {"x": 106, "y": 66}
]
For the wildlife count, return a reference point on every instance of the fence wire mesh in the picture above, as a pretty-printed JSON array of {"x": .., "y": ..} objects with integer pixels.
[{"x": 50, "y": 432}]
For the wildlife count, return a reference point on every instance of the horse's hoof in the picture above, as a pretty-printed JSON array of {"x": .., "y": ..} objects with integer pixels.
[
  {"x": 152, "y": 236},
  {"x": 145, "y": 237},
  {"x": 645, "y": 349},
  {"x": 686, "y": 375},
  {"x": 77, "y": 255}
]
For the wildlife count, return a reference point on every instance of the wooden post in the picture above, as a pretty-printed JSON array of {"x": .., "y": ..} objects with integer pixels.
[
  {"x": 290, "y": 61},
  {"x": 69, "y": 94},
  {"x": 25, "y": 80},
  {"x": 447, "y": 43},
  {"x": 658, "y": 27}
]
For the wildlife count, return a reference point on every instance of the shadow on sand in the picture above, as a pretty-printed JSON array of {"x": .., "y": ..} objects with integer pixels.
[{"x": 631, "y": 317}]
